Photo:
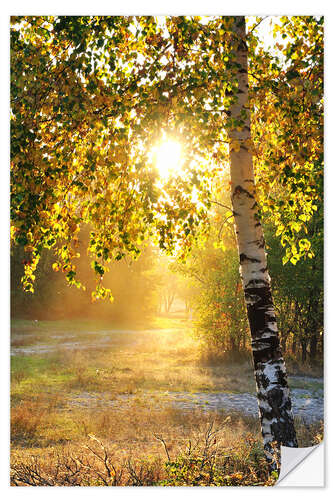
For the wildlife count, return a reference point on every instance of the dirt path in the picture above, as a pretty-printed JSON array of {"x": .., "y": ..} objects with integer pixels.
[{"x": 307, "y": 404}]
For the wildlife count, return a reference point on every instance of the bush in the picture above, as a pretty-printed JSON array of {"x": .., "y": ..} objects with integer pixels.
[{"x": 202, "y": 462}]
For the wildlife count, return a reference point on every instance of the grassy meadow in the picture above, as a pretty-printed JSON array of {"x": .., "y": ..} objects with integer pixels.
[{"x": 92, "y": 404}]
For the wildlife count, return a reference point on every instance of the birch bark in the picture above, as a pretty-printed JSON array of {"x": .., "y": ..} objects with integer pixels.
[{"x": 270, "y": 372}]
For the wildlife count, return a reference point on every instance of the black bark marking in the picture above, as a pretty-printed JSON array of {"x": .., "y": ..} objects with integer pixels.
[
  {"x": 243, "y": 258},
  {"x": 282, "y": 432},
  {"x": 260, "y": 333},
  {"x": 257, "y": 242},
  {"x": 280, "y": 406},
  {"x": 270, "y": 318},
  {"x": 253, "y": 283},
  {"x": 262, "y": 381},
  {"x": 240, "y": 190},
  {"x": 257, "y": 314},
  {"x": 281, "y": 378},
  {"x": 264, "y": 355},
  {"x": 262, "y": 243},
  {"x": 275, "y": 399}
]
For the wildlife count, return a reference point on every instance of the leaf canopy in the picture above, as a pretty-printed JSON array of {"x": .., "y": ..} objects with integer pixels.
[{"x": 91, "y": 95}]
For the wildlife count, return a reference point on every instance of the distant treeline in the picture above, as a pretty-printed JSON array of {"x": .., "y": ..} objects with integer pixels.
[
  {"x": 218, "y": 303},
  {"x": 208, "y": 284},
  {"x": 132, "y": 284}
]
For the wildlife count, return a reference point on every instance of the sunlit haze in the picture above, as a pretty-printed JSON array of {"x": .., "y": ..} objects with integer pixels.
[{"x": 168, "y": 157}]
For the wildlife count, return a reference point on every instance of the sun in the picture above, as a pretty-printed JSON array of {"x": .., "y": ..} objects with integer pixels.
[{"x": 168, "y": 158}]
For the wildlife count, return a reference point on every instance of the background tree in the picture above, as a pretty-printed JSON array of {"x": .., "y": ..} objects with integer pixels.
[
  {"x": 212, "y": 272},
  {"x": 298, "y": 295},
  {"x": 134, "y": 287}
]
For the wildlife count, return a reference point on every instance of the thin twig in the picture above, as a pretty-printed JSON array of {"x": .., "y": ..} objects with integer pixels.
[
  {"x": 256, "y": 25},
  {"x": 159, "y": 438},
  {"x": 221, "y": 205},
  {"x": 222, "y": 225}
]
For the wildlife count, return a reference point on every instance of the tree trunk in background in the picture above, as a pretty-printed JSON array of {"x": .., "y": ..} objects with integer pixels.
[
  {"x": 313, "y": 347},
  {"x": 274, "y": 402},
  {"x": 284, "y": 343},
  {"x": 303, "y": 346},
  {"x": 293, "y": 345},
  {"x": 234, "y": 344},
  {"x": 313, "y": 333},
  {"x": 244, "y": 340}
]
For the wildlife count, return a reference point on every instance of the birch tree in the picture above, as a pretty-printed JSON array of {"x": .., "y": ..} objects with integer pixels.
[
  {"x": 91, "y": 95},
  {"x": 270, "y": 371}
]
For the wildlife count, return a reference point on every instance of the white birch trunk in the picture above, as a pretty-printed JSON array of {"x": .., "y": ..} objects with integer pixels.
[{"x": 272, "y": 389}]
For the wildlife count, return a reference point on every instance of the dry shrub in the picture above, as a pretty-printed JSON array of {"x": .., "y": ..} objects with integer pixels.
[
  {"x": 202, "y": 461},
  {"x": 18, "y": 376},
  {"x": 309, "y": 434},
  {"x": 210, "y": 356},
  {"x": 91, "y": 464},
  {"x": 29, "y": 417},
  {"x": 26, "y": 418}
]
